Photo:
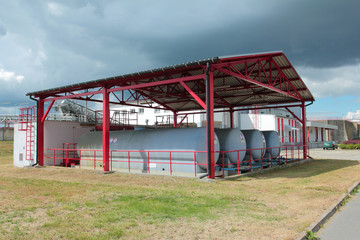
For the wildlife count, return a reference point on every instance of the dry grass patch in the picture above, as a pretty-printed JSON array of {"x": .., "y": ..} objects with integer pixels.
[{"x": 54, "y": 202}]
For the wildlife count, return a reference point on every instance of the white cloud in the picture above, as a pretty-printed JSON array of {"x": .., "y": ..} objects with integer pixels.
[
  {"x": 332, "y": 82},
  {"x": 353, "y": 115},
  {"x": 10, "y": 76},
  {"x": 55, "y": 9}
]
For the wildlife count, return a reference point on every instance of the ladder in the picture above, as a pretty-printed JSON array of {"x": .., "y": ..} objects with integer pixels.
[{"x": 26, "y": 123}]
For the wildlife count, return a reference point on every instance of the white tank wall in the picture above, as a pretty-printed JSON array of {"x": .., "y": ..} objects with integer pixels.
[
  {"x": 55, "y": 134},
  {"x": 20, "y": 148}
]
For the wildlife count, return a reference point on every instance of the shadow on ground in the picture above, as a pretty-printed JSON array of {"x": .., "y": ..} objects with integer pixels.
[{"x": 304, "y": 170}]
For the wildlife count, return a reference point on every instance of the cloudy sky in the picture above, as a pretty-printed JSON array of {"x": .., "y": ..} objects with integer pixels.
[{"x": 45, "y": 44}]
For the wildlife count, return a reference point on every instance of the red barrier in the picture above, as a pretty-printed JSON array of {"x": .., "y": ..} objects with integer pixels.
[{"x": 66, "y": 155}]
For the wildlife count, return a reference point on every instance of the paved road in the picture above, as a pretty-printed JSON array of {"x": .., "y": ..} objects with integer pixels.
[
  {"x": 319, "y": 153},
  {"x": 345, "y": 224}
]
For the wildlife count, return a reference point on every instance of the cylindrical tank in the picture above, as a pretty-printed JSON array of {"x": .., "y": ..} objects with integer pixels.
[
  {"x": 159, "y": 140},
  {"x": 272, "y": 143},
  {"x": 255, "y": 143},
  {"x": 231, "y": 139}
]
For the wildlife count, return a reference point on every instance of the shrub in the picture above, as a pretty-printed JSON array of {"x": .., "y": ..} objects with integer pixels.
[{"x": 349, "y": 146}]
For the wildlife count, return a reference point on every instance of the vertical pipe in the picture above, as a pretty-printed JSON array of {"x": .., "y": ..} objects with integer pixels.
[
  {"x": 106, "y": 128},
  {"x": 231, "y": 118},
  {"x": 40, "y": 132},
  {"x": 303, "y": 110},
  {"x": 210, "y": 121}
]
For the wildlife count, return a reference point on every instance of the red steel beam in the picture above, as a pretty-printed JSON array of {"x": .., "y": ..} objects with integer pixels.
[
  {"x": 257, "y": 83},
  {"x": 196, "y": 97},
  {"x": 158, "y": 83},
  {"x": 297, "y": 118},
  {"x": 47, "y": 111},
  {"x": 73, "y": 96}
]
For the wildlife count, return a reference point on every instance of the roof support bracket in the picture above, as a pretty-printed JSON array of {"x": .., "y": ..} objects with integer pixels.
[
  {"x": 47, "y": 111},
  {"x": 196, "y": 97}
]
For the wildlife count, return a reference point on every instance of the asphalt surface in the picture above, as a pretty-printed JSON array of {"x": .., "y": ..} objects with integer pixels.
[
  {"x": 319, "y": 153},
  {"x": 345, "y": 224}
]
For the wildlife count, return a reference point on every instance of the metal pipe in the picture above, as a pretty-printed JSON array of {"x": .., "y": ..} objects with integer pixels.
[{"x": 205, "y": 175}]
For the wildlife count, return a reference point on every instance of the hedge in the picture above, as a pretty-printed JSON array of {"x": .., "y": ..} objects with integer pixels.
[{"x": 349, "y": 146}]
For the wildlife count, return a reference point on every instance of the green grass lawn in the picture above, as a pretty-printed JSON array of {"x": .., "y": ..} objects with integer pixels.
[{"x": 64, "y": 203}]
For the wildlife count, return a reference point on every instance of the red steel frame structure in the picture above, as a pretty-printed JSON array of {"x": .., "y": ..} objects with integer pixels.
[{"x": 233, "y": 83}]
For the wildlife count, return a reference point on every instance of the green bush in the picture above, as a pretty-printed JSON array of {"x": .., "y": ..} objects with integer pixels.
[{"x": 349, "y": 146}]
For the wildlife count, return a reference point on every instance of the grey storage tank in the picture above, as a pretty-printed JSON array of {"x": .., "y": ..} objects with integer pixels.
[
  {"x": 254, "y": 140},
  {"x": 161, "y": 141},
  {"x": 272, "y": 144},
  {"x": 231, "y": 139}
]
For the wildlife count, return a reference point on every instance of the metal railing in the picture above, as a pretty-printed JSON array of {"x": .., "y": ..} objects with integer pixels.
[{"x": 193, "y": 162}]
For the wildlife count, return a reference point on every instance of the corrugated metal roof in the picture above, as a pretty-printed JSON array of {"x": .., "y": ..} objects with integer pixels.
[{"x": 229, "y": 90}]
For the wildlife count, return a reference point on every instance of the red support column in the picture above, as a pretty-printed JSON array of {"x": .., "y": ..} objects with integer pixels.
[
  {"x": 304, "y": 140},
  {"x": 231, "y": 118},
  {"x": 40, "y": 132},
  {"x": 210, "y": 139},
  {"x": 175, "y": 119},
  {"x": 105, "y": 129}
]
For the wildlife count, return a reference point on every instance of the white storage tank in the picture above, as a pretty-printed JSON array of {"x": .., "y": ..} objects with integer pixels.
[
  {"x": 272, "y": 144},
  {"x": 181, "y": 141},
  {"x": 255, "y": 143},
  {"x": 231, "y": 139}
]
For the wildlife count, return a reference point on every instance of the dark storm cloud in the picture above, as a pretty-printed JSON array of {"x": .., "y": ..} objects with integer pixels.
[
  {"x": 312, "y": 33},
  {"x": 54, "y": 43}
]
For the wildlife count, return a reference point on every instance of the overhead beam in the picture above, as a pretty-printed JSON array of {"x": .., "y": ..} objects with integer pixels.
[
  {"x": 257, "y": 83},
  {"x": 158, "y": 83}
]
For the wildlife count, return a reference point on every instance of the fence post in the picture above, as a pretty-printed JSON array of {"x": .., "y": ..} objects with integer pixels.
[
  {"x": 223, "y": 170},
  {"x": 238, "y": 162},
  {"x": 170, "y": 163},
  {"x": 195, "y": 163},
  {"x": 250, "y": 160},
  {"x": 129, "y": 160}
]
